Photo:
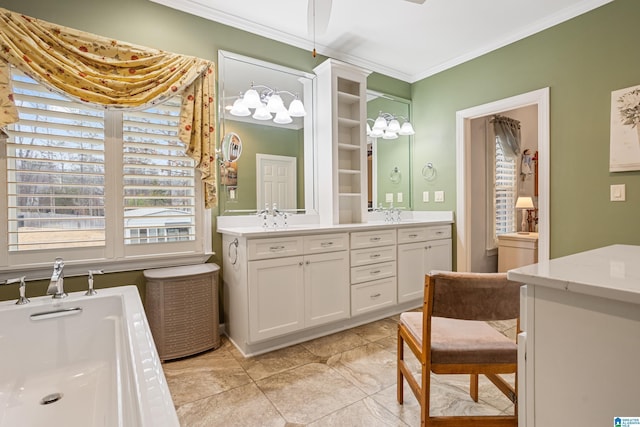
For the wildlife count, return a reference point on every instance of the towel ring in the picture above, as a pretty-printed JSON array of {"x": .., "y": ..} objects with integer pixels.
[
  {"x": 395, "y": 175},
  {"x": 429, "y": 172},
  {"x": 234, "y": 243}
]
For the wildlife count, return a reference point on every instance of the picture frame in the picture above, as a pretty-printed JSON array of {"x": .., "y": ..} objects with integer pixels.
[{"x": 624, "y": 144}]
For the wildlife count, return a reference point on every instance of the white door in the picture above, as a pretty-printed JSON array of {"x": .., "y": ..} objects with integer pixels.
[
  {"x": 276, "y": 181},
  {"x": 417, "y": 259},
  {"x": 326, "y": 282}
]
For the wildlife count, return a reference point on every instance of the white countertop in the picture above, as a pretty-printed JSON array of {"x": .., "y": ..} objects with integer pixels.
[
  {"x": 611, "y": 272},
  {"x": 242, "y": 230}
]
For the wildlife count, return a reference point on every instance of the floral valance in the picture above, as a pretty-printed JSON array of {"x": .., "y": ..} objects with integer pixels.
[{"x": 112, "y": 74}]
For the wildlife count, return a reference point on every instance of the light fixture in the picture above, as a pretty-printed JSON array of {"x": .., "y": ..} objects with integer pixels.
[
  {"x": 265, "y": 102},
  {"x": 524, "y": 203},
  {"x": 388, "y": 126}
]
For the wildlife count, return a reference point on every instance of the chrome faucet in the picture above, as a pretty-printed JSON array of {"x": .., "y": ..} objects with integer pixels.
[
  {"x": 23, "y": 299},
  {"x": 56, "y": 285},
  {"x": 91, "y": 291}
]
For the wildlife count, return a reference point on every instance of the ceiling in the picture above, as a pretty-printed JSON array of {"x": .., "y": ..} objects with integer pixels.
[{"x": 399, "y": 38}]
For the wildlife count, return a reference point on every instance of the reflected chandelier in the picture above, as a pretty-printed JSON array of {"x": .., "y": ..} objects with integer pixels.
[
  {"x": 388, "y": 126},
  {"x": 267, "y": 101}
]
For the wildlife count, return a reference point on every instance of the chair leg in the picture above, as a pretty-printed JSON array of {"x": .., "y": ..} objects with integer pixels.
[
  {"x": 400, "y": 379},
  {"x": 425, "y": 396},
  {"x": 473, "y": 387}
]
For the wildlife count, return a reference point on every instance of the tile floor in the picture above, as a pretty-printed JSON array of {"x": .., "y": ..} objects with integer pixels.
[{"x": 345, "y": 379}]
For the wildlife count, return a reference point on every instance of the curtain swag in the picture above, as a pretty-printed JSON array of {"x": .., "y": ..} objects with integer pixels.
[
  {"x": 112, "y": 74},
  {"x": 508, "y": 132}
]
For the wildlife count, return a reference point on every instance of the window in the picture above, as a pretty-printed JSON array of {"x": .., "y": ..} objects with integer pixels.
[
  {"x": 505, "y": 189},
  {"x": 90, "y": 184}
]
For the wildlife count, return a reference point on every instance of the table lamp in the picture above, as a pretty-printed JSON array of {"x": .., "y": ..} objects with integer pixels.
[{"x": 524, "y": 203}]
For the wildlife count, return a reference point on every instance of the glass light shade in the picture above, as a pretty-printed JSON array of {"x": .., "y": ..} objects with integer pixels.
[
  {"x": 262, "y": 113},
  {"x": 275, "y": 104},
  {"x": 380, "y": 123},
  {"x": 282, "y": 117},
  {"x": 393, "y": 126},
  {"x": 376, "y": 133},
  {"x": 239, "y": 109},
  {"x": 368, "y": 130},
  {"x": 296, "y": 108},
  {"x": 389, "y": 135},
  {"x": 407, "y": 129},
  {"x": 252, "y": 99}
]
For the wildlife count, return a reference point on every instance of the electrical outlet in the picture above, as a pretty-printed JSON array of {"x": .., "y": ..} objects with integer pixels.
[
  {"x": 399, "y": 197},
  {"x": 425, "y": 196},
  {"x": 388, "y": 197},
  {"x": 438, "y": 196}
]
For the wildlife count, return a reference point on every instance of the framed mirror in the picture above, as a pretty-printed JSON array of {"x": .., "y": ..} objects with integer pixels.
[
  {"x": 266, "y": 116},
  {"x": 389, "y": 160}
]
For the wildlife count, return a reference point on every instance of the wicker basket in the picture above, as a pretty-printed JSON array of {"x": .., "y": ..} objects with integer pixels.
[{"x": 182, "y": 308}]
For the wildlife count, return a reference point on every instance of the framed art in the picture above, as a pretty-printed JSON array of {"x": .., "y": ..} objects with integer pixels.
[{"x": 624, "y": 145}]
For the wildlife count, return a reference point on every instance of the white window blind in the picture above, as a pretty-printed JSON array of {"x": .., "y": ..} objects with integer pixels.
[
  {"x": 505, "y": 191},
  {"x": 55, "y": 171},
  {"x": 159, "y": 179}
]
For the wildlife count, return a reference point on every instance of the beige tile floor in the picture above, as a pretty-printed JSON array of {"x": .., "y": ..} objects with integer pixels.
[{"x": 345, "y": 379}]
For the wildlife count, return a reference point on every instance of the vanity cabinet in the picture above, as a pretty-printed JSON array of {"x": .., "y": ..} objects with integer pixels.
[
  {"x": 341, "y": 135},
  {"x": 420, "y": 250},
  {"x": 287, "y": 293}
]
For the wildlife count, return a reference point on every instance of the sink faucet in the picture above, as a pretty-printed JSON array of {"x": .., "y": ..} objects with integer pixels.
[{"x": 56, "y": 285}]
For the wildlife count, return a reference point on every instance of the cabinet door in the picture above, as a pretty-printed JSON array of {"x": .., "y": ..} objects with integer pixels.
[
  {"x": 411, "y": 271},
  {"x": 326, "y": 279},
  {"x": 276, "y": 297},
  {"x": 417, "y": 259}
]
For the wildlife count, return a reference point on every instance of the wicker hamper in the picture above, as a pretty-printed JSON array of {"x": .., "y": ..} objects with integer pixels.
[{"x": 182, "y": 308}]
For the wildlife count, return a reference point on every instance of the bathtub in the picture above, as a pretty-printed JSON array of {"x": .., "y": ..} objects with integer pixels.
[{"x": 81, "y": 361}]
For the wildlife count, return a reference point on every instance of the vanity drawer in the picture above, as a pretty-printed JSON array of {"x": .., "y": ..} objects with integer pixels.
[
  {"x": 439, "y": 232},
  {"x": 373, "y": 295},
  {"x": 373, "y": 272},
  {"x": 372, "y": 255},
  {"x": 369, "y": 239},
  {"x": 410, "y": 235},
  {"x": 320, "y": 243},
  {"x": 274, "y": 247}
]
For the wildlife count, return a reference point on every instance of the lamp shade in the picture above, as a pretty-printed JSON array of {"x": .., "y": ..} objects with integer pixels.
[
  {"x": 380, "y": 123},
  {"x": 239, "y": 109},
  {"x": 282, "y": 117},
  {"x": 389, "y": 135},
  {"x": 262, "y": 113},
  {"x": 252, "y": 99},
  {"x": 393, "y": 126},
  {"x": 376, "y": 133},
  {"x": 275, "y": 104},
  {"x": 524, "y": 203},
  {"x": 407, "y": 129}
]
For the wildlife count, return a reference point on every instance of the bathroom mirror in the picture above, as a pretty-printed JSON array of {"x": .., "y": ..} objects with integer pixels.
[
  {"x": 275, "y": 161},
  {"x": 389, "y": 160}
]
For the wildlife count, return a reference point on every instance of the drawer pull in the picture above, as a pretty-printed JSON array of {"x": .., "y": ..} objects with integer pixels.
[
  {"x": 413, "y": 236},
  {"x": 375, "y": 256},
  {"x": 439, "y": 232},
  {"x": 326, "y": 244},
  {"x": 375, "y": 272},
  {"x": 374, "y": 239},
  {"x": 428, "y": 247},
  {"x": 376, "y": 295},
  {"x": 276, "y": 248}
]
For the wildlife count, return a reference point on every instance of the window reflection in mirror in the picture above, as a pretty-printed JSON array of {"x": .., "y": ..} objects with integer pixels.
[
  {"x": 389, "y": 160},
  {"x": 276, "y": 164}
]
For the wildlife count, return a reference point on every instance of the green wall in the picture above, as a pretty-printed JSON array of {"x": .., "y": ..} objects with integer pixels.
[{"x": 581, "y": 61}]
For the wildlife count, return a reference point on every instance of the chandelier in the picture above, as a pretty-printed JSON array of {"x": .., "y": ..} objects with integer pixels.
[
  {"x": 267, "y": 102},
  {"x": 388, "y": 126}
]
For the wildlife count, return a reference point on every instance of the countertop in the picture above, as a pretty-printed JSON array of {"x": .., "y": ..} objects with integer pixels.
[
  {"x": 611, "y": 272},
  {"x": 443, "y": 218}
]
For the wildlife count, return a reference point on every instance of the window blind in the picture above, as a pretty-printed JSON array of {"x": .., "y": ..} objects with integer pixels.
[{"x": 505, "y": 191}]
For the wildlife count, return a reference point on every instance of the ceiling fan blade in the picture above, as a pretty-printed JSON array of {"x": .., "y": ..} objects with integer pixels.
[{"x": 318, "y": 14}]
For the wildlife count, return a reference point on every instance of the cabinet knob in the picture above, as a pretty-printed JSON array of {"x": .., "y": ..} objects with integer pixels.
[
  {"x": 300, "y": 263},
  {"x": 428, "y": 247},
  {"x": 307, "y": 262}
]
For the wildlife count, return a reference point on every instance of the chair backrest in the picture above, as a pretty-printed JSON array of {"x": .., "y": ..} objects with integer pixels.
[{"x": 472, "y": 296}]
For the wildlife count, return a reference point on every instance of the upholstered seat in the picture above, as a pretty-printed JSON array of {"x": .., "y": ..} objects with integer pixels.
[{"x": 451, "y": 336}]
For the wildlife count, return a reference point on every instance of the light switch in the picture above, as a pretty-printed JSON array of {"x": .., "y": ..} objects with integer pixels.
[
  {"x": 399, "y": 197},
  {"x": 388, "y": 197},
  {"x": 438, "y": 196},
  {"x": 618, "y": 193},
  {"x": 425, "y": 196}
]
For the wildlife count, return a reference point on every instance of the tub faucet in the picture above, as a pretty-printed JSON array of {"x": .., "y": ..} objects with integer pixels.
[{"x": 56, "y": 285}]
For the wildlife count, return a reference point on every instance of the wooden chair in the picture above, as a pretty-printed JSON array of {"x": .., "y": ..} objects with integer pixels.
[{"x": 451, "y": 336}]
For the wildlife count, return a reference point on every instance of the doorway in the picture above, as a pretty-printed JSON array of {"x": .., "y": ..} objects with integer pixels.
[{"x": 464, "y": 205}]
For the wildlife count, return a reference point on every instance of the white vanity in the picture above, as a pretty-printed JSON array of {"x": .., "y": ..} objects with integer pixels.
[
  {"x": 580, "y": 350},
  {"x": 287, "y": 285}
]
